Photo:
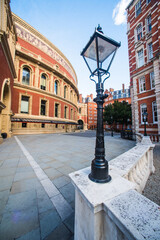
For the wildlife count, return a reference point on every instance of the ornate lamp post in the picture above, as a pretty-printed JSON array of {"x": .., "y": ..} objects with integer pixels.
[
  {"x": 145, "y": 114},
  {"x": 99, "y": 49}
]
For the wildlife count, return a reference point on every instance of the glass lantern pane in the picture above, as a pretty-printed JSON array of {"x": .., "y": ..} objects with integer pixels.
[
  {"x": 91, "y": 51},
  {"x": 105, "y": 49}
]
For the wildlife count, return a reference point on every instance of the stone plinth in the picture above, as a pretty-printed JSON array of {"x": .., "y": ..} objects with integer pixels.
[{"x": 89, "y": 199}]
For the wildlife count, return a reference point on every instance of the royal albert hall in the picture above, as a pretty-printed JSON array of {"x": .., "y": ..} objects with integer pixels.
[{"x": 45, "y": 92}]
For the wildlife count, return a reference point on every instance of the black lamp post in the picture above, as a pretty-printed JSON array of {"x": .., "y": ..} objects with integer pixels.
[
  {"x": 145, "y": 114},
  {"x": 98, "y": 49}
]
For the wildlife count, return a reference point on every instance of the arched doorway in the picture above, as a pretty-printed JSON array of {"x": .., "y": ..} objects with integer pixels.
[
  {"x": 5, "y": 113},
  {"x": 80, "y": 124}
]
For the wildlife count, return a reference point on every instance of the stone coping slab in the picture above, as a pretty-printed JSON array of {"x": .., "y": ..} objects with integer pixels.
[
  {"x": 136, "y": 216},
  {"x": 97, "y": 193}
]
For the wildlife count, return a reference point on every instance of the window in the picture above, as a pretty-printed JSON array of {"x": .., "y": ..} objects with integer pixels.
[
  {"x": 140, "y": 58},
  {"x": 56, "y": 87},
  {"x": 24, "y": 124},
  {"x": 65, "y": 91},
  {"x": 139, "y": 32},
  {"x": 43, "y": 82},
  {"x": 150, "y": 51},
  {"x": 43, "y": 107},
  {"x": 148, "y": 1},
  {"x": 154, "y": 111},
  {"x": 71, "y": 113},
  {"x": 152, "y": 81},
  {"x": 143, "y": 109},
  {"x": 42, "y": 125},
  {"x": 65, "y": 112},
  {"x": 142, "y": 84},
  {"x": 71, "y": 95},
  {"x": 24, "y": 104},
  {"x": 138, "y": 8},
  {"x": 149, "y": 26},
  {"x": 79, "y": 110},
  {"x": 25, "y": 76},
  {"x": 56, "y": 109},
  {"x": 56, "y": 125}
]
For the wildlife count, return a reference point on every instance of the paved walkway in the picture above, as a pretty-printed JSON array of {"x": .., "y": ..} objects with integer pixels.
[{"x": 36, "y": 195}]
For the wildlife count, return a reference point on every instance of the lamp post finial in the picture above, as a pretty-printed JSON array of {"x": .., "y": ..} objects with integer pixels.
[{"x": 99, "y": 29}]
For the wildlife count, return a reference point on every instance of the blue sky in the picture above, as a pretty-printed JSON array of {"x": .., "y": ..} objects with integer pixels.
[{"x": 69, "y": 24}]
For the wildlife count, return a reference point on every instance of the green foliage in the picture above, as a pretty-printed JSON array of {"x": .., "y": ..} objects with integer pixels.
[{"x": 118, "y": 112}]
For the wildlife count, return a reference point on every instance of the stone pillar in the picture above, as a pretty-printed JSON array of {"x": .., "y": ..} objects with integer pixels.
[
  {"x": 89, "y": 199},
  {"x": 135, "y": 112},
  {"x": 156, "y": 66}
]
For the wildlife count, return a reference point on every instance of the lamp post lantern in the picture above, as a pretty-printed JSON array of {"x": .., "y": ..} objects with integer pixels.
[
  {"x": 99, "y": 49},
  {"x": 145, "y": 114}
]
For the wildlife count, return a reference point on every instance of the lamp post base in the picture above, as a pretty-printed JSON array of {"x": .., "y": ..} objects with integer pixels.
[
  {"x": 99, "y": 171},
  {"x": 108, "y": 179}
]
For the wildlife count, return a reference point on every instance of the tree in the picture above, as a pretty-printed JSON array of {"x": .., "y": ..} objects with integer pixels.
[
  {"x": 108, "y": 114},
  {"x": 118, "y": 112}
]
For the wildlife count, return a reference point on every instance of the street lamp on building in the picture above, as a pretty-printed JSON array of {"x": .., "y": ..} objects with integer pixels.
[
  {"x": 145, "y": 114},
  {"x": 99, "y": 50}
]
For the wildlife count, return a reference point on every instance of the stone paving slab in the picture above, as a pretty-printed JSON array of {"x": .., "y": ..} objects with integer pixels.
[{"x": 27, "y": 212}]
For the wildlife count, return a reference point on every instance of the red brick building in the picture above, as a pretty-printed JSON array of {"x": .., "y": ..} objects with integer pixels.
[
  {"x": 117, "y": 95},
  {"x": 7, "y": 69},
  {"x": 45, "y": 92},
  {"x": 91, "y": 112},
  {"x": 144, "y": 61}
]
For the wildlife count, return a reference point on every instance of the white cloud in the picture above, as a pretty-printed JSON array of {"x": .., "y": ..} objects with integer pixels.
[{"x": 119, "y": 12}]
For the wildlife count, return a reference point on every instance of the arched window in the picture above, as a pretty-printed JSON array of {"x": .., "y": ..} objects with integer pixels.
[
  {"x": 65, "y": 91},
  {"x": 26, "y": 76},
  {"x": 71, "y": 95},
  {"x": 43, "y": 81},
  {"x": 56, "y": 87}
]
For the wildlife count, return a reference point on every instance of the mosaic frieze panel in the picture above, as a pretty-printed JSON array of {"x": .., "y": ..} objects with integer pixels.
[{"x": 27, "y": 36}]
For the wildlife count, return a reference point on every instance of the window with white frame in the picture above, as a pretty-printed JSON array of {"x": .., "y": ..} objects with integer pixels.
[
  {"x": 152, "y": 80},
  {"x": 143, "y": 110},
  {"x": 150, "y": 51},
  {"x": 26, "y": 76},
  {"x": 142, "y": 84},
  {"x": 43, "y": 82},
  {"x": 149, "y": 26},
  {"x": 138, "y": 8},
  {"x": 154, "y": 112},
  {"x": 24, "y": 104},
  {"x": 140, "y": 58},
  {"x": 148, "y": 1},
  {"x": 139, "y": 32}
]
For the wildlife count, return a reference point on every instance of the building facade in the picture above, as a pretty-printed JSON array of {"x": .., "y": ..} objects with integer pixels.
[
  {"x": 82, "y": 114},
  {"x": 91, "y": 112},
  {"x": 144, "y": 62},
  {"x": 120, "y": 96},
  {"x": 7, "y": 70},
  {"x": 45, "y": 92},
  {"x": 117, "y": 95}
]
